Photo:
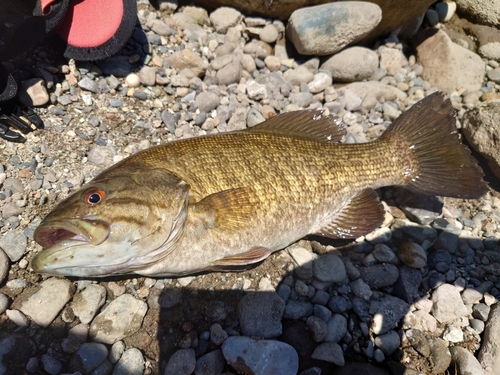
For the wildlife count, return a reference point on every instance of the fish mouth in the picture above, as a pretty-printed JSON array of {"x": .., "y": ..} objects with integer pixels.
[
  {"x": 54, "y": 232},
  {"x": 62, "y": 241}
]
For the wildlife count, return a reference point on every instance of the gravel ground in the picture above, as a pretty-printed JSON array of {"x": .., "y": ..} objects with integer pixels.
[{"x": 419, "y": 294}]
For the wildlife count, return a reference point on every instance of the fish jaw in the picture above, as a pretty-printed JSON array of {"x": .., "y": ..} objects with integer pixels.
[
  {"x": 76, "y": 247},
  {"x": 80, "y": 259}
]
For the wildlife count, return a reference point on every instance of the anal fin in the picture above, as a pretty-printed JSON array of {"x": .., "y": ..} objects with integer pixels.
[
  {"x": 254, "y": 255},
  {"x": 360, "y": 216}
]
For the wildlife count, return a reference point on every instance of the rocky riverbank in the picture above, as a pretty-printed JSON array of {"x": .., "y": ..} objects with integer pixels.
[{"x": 417, "y": 295}]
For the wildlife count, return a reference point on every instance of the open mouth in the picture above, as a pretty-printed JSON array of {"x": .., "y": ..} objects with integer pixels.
[{"x": 92, "y": 231}]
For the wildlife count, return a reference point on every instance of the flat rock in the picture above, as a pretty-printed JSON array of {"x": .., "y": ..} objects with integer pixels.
[
  {"x": 352, "y": 64},
  {"x": 224, "y": 17},
  {"x": 480, "y": 128},
  {"x": 260, "y": 314},
  {"x": 260, "y": 357},
  {"x": 484, "y": 13},
  {"x": 449, "y": 66},
  {"x": 121, "y": 318},
  {"x": 326, "y": 29},
  {"x": 43, "y": 306}
]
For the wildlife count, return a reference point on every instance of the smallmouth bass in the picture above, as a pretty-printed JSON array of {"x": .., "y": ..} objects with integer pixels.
[{"x": 231, "y": 199}]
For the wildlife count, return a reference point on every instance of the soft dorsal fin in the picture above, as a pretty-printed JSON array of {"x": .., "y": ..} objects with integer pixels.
[
  {"x": 306, "y": 123},
  {"x": 360, "y": 216},
  {"x": 229, "y": 209}
]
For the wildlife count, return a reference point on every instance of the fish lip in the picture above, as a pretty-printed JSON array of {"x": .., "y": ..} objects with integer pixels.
[{"x": 52, "y": 232}]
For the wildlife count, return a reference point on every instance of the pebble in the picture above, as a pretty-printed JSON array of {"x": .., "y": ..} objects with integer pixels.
[
  {"x": 14, "y": 244},
  {"x": 388, "y": 342},
  {"x": 465, "y": 361},
  {"x": 379, "y": 275},
  {"x": 210, "y": 363},
  {"x": 182, "y": 362},
  {"x": 86, "y": 304},
  {"x": 329, "y": 352},
  {"x": 90, "y": 355},
  {"x": 412, "y": 254},
  {"x": 88, "y": 84},
  {"x": 448, "y": 304},
  {"x": 336, "y": 328},
  {"x": 130, "y": 363},
  {"x": 260, "y": 314},
  {"x": 121, "y": 318},
  {"x": 4, "y": 303},
  {"x": 329, "y": 268},
  {"x": 263, "y": 357},
  {"x": 4, "y": 266}
]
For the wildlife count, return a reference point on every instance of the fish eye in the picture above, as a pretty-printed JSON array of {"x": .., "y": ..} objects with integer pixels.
[{"x": 94, "y": 196}]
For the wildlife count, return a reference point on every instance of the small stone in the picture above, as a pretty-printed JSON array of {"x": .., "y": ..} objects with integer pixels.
[
  {"x": 182, "y": 362},
  {"x": 465, "y": 361},
  {"x": 223, "y": 18},
  {"x": 207, "y": 101},
  {"x": 4, "y": 267},
  {"x": 51, "y": 364},
  {"x": 448, "y": 305},
  {"x": 210, "y": 364},
  {"x": 379, "y": 275},
  {"x": 269, "y": 34},
  {"x": 388, "y": 342},
  {"x": 121, "y": 318},
  {"x": 88, "y": 84},
  {"x": 329, "y": 352},
  {"x": 91, "y": 355},
  {"x": 336, "y": 328},
  {"x": 130, "y": 363},
  {"x": 317, "y": 327},
  {"x": 263, "y": 357},
  {"x": 260, "y": 314},
  {"x": 217, "y": 334},
  {"x": 133, "y": 80},
  {"x": 329, "y": 268},
  {"x": 14, "y": 244},
  {"x": 412, "y": 254}
]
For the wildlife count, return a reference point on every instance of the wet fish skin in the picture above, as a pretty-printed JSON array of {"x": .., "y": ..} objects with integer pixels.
[{"x": 232, "y": 199}]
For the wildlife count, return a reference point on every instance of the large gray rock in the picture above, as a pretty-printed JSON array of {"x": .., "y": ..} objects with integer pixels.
[
  {"x": 449, "y": 66},
  {"x": 326, "y": 29},
  {"x": 480, "y": 127},
  {"x": 448, "y": 304}
]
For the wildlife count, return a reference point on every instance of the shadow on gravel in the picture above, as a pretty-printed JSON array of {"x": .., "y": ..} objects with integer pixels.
[{"x": 198, "y": 317}]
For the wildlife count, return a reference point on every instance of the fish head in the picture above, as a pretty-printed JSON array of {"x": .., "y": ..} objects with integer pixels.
[{"x": 114, "y": 225}]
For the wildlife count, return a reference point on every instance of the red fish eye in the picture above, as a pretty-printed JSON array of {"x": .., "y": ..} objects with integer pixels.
[{"x": 94, "y": 196}]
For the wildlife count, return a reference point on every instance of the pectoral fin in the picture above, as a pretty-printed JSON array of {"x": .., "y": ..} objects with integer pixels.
[
  {"x": 360, "y": 216},
  {"x": 254, "y": 255},
  {"x": 229, "y": 209}
]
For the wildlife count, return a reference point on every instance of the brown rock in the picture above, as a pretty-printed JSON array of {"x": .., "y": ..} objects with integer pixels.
[{"x": 187, "y": 59}]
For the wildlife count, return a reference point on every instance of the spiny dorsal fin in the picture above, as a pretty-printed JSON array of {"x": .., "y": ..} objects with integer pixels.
[
  {"x": 307, "y": 123},
  {"x": 229, "y": 209},
  {"x": 254, "y": 255},
  {"x": 360, "y": 216}
]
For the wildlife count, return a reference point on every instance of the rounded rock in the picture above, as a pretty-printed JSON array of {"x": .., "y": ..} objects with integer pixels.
[
  {"x": 412, "y": 254},
  {"x": 329, "y": 268},
  {"x": 269, "y": 34},
  {"x": 130, "y": 363},
  {"x": 182, "y": 362}
]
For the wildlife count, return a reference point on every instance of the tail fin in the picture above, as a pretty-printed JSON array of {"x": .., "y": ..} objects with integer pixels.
[{"x": 436, "y": 162}]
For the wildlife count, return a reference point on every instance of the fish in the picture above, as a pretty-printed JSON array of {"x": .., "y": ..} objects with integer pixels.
[{"x": 229, "y": 200}]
